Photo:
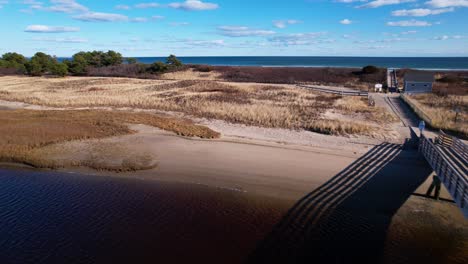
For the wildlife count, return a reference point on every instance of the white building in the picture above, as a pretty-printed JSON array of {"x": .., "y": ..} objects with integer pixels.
[{"x": 418, "y": 82}]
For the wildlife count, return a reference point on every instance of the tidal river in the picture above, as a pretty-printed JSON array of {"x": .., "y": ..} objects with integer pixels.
[{"x": 48, "y": 217}]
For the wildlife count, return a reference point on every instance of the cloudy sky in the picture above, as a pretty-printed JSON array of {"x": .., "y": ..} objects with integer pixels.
[{"x": 237, "y": 27}]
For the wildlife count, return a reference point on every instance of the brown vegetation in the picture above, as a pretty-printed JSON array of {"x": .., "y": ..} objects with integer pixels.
[
  {"x": 342, "y": 76},
  {"x": 359, "y": 105},
  {"x": 279, "y": 106},
  {"x": 442, "y": 110},
  {"x": 25, "y": 132}
]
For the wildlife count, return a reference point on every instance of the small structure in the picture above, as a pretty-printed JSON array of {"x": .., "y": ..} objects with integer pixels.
[
  {"x": 378, "y": 88},
  {"x": 418, "y": 82}
]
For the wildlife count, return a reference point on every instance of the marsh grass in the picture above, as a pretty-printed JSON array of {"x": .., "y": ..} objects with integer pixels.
[
  {"x": 25, "y": 132},
  {"x": 265, "y": 105},
  {"x": 442, "y": 111},
  {"x": 359, "y": 105}
]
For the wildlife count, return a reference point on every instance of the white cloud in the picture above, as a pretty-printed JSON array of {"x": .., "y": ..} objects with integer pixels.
[
  {"x": 206, "y": 43},
  {"x": 122, "y": 7},
  {"x": 157, "y": 17},
  {"x": 62, "y": 40},
  {"x": 409, "y": 32},
  {"x": 194, "y": 5},
  {"x": 346, "y": 22},
  {"x": 100, "y": 17},
  {"x": 50, "y": 29},
  {"x": 66, "y": 6},
  {"x": 285, "y": 23},
  {"x": 177, "y": 24},
  {"x": 299, "y": 39},
  {"x": 447, "y": 3},
  {"x": 379, "y": 3},
  {"x": 350, "y": 1},
  {"x": 147, "y": 5},
  {"x": 234, "y": 31},
  {"x": 445, "y": 37},
  {"x": 409, "y": 23},
  {"x": 139, "y": 19},
  {"x": 420, "y": 12}
]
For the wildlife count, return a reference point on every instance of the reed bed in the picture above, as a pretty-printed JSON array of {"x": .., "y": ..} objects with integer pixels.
[
  {"x": 25, "y": 133},
  {"x": 276, "y": 106}
]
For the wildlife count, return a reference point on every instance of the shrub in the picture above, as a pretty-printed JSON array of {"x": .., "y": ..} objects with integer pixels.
[
  {"x": 370, "y": 69},
  {"x": 203, "y": 68},
  {"x": 59, "y": 69},
  {"x": 450, "y": 79},
  {"x": 137, "y": 70},
  {"x": 158, "y": 67}
]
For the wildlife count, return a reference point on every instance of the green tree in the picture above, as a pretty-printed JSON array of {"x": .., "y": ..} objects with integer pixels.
[
  {"x": 34, "y": 68},
  {"x": 111, "y": 58},
  {"x": 173, "y": 61},
  {"x": 59, "y": 69},
  {"x": 14, "y": 60},
  {"x": 14, "y": 57},
  {"x": 79, "y": 64},
  {"x": 40, "y": 64}
]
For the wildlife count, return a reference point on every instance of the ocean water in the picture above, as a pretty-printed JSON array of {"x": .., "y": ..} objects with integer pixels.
[{"x": 426, "y": 63}]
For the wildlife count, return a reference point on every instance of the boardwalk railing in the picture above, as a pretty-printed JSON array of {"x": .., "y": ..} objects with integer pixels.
[
  {"x": 333, "y": 91},
  {"x": 417, "y": 110},
  {"x": 454, "y": 180},
  {"x": 456, "y": 144}
]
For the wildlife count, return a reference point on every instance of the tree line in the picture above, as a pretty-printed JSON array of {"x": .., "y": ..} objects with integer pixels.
[{"x": 79, "y": 65}]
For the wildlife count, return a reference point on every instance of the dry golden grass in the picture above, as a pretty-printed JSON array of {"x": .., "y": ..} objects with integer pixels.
[
  {"x": 280, "y": 106},
  {"x": 190, "y": 74},
  {"x": 25, "y": 131},
  {"x": 441, "y": 110},
  {"x": 359, "y": 105}
]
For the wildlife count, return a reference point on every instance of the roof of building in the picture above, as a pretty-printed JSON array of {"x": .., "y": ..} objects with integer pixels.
[{"x": 419, "y": 76}]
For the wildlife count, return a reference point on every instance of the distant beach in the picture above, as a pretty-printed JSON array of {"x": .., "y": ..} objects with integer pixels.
[{"x": 424, "y": 63}]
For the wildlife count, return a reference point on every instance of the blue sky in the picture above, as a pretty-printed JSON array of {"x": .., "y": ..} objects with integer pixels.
[{"x": 237, "y": 27}]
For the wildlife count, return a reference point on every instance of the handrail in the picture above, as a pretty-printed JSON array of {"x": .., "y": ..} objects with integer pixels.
[
  {"x": 331, "y": 91},
  {"x": 417, "y": 110},
  {"x": 456, "y": 144},
  {"x": 456, "y": 183}
]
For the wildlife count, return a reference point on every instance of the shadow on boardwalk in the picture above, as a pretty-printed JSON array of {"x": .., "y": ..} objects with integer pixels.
[{"x": 346, "y": 219}]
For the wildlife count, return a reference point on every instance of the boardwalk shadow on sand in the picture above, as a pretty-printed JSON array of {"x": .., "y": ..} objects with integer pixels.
[{"x": 346, "y": 219}]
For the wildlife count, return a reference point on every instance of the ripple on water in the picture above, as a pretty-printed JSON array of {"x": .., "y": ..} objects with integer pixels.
[{"x": 52, "y": 217}]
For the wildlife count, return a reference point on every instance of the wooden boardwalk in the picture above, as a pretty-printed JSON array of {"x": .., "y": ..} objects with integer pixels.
[
  {"x": 448, "y": 158},
  {"x": 392, "y": 80},
  {"x": 344, "y": 92}
]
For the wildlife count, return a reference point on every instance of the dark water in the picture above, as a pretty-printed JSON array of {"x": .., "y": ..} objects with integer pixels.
[
  {"x": 68, "y": 218},
  {"x": 460, "y": 63}
]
